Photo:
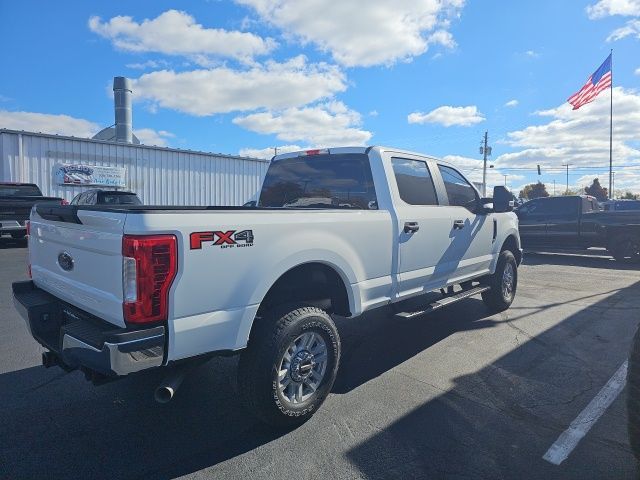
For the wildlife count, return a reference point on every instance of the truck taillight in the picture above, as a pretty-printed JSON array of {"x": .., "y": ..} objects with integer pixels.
[{"x": 149, "y": 266}]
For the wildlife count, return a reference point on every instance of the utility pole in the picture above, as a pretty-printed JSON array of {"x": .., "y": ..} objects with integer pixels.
[
  {"x": 567, "y": 165},
  {"x": 505, "y": 179},
  {"x": 485, "y": 150},
  {"x": 275, "y": 150},
  {"x": 554, "y": 187},
  {"x": 613, "y": 186}
]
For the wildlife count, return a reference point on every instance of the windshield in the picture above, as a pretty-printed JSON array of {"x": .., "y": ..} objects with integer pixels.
[
  {"x": 19, "y": 191},
  {"x": 320, "y": 181}
]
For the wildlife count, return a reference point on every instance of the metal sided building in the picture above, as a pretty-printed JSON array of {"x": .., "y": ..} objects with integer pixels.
[{"x": 160, "y": 176}]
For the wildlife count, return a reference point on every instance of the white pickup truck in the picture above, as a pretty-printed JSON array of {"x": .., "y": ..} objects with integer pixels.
[{"x": 340, "y": 231}]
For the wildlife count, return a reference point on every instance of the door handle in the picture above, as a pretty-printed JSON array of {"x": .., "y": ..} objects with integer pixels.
[
  {"x": 411, "y": 227},
  {"x": 458, "y": 224}
]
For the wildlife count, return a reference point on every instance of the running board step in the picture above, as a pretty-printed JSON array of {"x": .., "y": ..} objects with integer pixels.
[{"x": 443, "y": 302}]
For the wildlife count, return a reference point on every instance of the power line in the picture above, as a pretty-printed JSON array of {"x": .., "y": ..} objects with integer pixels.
[{"x": 561, "y": 169}]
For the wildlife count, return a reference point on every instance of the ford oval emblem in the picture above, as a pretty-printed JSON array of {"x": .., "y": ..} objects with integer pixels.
[{"x": 65, "y": 261}]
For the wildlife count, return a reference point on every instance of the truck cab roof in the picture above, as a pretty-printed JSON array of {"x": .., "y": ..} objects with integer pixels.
[{"x": 343, "y": 150}]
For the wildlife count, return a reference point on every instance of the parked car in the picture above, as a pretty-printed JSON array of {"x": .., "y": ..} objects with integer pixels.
[
  {"x": 576, "y": 222},
  {"x": 618, "y": 205},
  {"x": 117, "y": 290},
  {"x": 106, "y": 197},
  {"x": 16, "y": 200}
]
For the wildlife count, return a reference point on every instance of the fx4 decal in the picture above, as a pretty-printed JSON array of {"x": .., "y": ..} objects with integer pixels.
[{"x": 224, "y": 239}]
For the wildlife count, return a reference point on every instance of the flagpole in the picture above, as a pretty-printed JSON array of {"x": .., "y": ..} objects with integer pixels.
[{"x": 611, "y": 133}]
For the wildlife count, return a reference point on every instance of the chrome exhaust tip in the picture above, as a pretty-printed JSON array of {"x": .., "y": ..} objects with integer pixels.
[
  {"x": 164, "y": 394},
  {"x": 169, "y": 386}
]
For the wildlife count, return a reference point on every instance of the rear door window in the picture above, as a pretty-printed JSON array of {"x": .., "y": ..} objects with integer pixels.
[
  {"x": 562, "y": 205},
  {"x": 414, "y": 181}
]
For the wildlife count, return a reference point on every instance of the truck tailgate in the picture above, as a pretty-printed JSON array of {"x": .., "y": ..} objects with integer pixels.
[{"x": 76, "y": 255}]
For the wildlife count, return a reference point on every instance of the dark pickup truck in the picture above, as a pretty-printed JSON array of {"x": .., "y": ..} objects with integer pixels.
[
  {"x": 576, "y": 222},
  {"x": 16, "y": 200}
]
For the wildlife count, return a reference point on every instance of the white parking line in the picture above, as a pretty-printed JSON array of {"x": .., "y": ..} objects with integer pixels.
[{"x": 569, "y": 439}]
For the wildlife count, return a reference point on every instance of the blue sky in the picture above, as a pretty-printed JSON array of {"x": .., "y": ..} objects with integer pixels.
[{"x": 245, "y": 76}]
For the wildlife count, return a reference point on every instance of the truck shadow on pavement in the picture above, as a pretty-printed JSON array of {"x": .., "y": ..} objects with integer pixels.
[
  {"x": 377, "y": 342},
  {"x": 55, "y": 425},
  {"x": 499, "y": 419}
]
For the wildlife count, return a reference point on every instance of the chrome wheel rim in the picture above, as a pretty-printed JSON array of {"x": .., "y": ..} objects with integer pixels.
[
  {"x": 508, "y": 277},
  {"x": 302, "y": 368}
]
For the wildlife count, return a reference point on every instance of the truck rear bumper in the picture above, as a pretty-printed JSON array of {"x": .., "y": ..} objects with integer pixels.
[
  {"x": 79, "y": 340},
  {"x": 12, "y": 226}
]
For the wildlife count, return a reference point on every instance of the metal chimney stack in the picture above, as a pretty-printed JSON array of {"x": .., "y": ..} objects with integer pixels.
[{"x": 122, "y": 99}]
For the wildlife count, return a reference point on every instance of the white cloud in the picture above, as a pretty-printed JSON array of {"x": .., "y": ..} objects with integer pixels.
[
  {"x": 625, "y": 8},
  {"x": 149, "y": 64},
  {"x": 374, "y": 113},
  {"x": 532, "y": 54},
  {"x": 511, "y": 103},
  {"x": 149, "y": 136},
  {"x": 71, "y": 126},
  {"x": 442, "y": 37},
  {"x": 222, "y": 90},
  {"x": 580, "y": 137},
  {"x": 48, "y": 123},
  {"x": 177, "y": 33},
  {"x": 380, "y": 32},
  {"x": 269, "y": 152},
  {"x": 605, "y": 8},
  {"x": 631, "y": 28},
  {"x": 448, "y": 116},
  {"x": 325, "y": 125},
  {"x": 637, "y": 71}
]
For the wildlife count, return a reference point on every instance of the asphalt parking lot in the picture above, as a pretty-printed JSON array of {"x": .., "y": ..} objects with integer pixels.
[{"x": 457, "y": 394}]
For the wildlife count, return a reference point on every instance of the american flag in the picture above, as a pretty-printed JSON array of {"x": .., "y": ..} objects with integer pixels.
[{"x": 599, "y": 81}]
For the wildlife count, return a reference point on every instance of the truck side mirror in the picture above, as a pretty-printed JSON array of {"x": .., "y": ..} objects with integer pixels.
[{"x": 502, "y": 199}]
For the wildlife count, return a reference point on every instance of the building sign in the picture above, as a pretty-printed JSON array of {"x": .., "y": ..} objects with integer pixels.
[{"x": 90, "y": 175}]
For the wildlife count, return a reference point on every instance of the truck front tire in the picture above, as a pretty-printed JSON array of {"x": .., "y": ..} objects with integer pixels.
[
  {"x": 289, "y": 365},
  {"x": 626, "y": 248},
  {"x": 503, "y": 283}
]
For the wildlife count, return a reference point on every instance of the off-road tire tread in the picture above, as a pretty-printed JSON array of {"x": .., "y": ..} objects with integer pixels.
[
  {"x": 615, "y": 251},
  {"x": 493, "y": 298},
  {"x": 264, "y": 339}
]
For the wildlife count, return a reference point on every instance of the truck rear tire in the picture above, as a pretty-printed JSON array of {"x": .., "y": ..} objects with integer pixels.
[
  {"x": 289, "y": 365},
  {"x": 503, "y": 283},
  {"x": 633, "y": 396},
  {"x": 626, "y": 248}
]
